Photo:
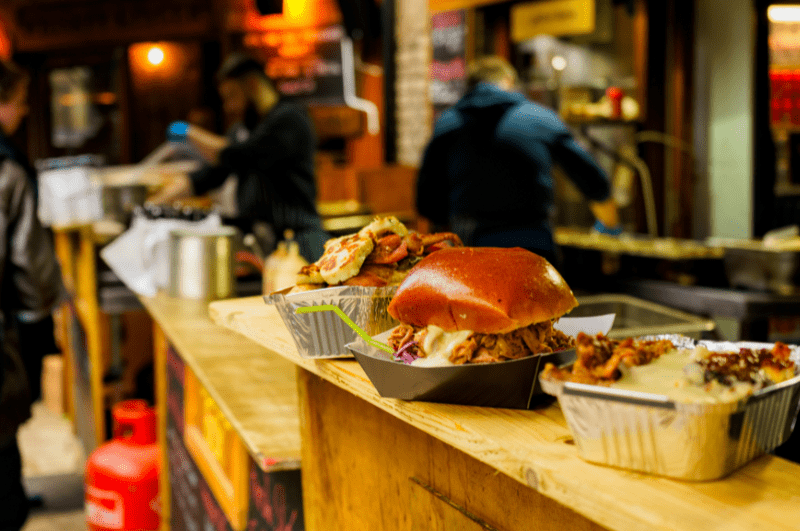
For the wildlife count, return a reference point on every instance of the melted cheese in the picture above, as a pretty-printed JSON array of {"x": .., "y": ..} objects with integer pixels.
[
  {"x": 439, "y": 344},
  {"x": 666, "y": 376}
]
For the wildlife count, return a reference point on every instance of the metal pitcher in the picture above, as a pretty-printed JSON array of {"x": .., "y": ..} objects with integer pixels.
[{"x": 201, "y": 263}]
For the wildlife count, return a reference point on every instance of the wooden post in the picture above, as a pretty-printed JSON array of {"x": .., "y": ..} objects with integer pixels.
[{"x": 160, "y": 369}]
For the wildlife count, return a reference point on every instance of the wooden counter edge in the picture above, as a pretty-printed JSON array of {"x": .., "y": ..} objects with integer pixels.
[
  {"x": 545, "y": 473},
  {"x": 266, "y": 461}
]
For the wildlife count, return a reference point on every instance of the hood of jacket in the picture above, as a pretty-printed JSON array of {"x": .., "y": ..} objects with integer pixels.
[
  {"x": 482, "y": 106},
  {"x": 485, "y": 96}
]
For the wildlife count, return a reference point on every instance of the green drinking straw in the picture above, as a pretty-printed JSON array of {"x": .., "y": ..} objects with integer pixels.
[{"x": 338, "y": 311}]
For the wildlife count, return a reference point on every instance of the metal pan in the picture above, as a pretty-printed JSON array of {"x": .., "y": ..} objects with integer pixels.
[{"x": 692, "y": 441}]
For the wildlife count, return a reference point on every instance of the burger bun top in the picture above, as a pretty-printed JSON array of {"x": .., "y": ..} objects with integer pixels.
[{"x": 488, "y": 290}]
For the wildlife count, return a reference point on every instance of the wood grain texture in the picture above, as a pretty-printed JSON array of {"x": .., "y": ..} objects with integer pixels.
[
  {"x": 534, "y": 449},
  {"x": 433, "y": 511},
  {"x": 358, "y": 465},
  {"x": 255, "y": 389},
  {"x": 160, "y": 374}
]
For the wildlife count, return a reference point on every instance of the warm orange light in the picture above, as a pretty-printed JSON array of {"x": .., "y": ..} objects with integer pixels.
[
  {"x": 272, "y": 39},
  {"x": 297, "y": 9},
  {"x": 294, "y": 49},
  {"x": 155, "y": 55},
  {"x": 172, "y": 60},
  {"x": 5, "y": 43},
  {"x": 296, "y": 14},
  {"x": 105, "y": 98}
]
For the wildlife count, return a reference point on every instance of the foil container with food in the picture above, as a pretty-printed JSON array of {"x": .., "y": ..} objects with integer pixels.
[
  {"x": 323, "y": 334},
  {"x": 701, "y": 425},
  {"x": 357, "y": 276}
]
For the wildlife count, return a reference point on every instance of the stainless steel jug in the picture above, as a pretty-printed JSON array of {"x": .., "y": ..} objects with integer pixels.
[{"x": 201, "y": 263}]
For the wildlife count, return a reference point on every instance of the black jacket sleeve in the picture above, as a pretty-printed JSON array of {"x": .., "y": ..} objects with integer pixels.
[
  {"x": 35, "y": 273},
  {"x": 432, "y": 189},
  {"x": 288, "y": 135},
  {"x": 208, "y": 178},
  {"x": 580, "y": 167}
]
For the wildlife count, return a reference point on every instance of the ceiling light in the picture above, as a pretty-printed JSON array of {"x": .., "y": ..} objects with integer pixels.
[
  {"x": 784, "y": 13},
  {"x": 155, "y": 55}
]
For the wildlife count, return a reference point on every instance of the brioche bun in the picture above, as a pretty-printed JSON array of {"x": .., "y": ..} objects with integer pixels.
[{"x": 488, "y": 290}]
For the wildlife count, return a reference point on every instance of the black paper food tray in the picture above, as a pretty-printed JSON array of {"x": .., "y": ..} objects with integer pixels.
[{"x": 509, "y": 384}]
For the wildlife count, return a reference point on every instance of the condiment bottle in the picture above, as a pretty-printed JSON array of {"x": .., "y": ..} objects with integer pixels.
[
  {"x": 289, "y": 264},
  {"x": 271, "y": 265}
]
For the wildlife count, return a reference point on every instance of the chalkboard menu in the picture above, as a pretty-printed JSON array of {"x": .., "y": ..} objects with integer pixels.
[
  {"x": 448, "y": 73},
  {"x": 176, "y": 375},
  {"x": 276, "y": 500},
  {"x": 305, "y": 63},
  {"x": 193, "y": 506}
]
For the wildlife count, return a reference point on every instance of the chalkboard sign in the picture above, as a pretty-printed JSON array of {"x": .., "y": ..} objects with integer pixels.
[
  {"x": 192, "y": 505},
  {"x": 304, "y": 63},
  {"x": 276, "y": 500},
  {"x": 176, "y": 375},
  {"x": 448, "y": 73}
]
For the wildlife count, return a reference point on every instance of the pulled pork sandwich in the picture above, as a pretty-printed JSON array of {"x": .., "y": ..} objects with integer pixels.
[
  {"x": 380, "y": 254},
  {"x": 479, "y": 305}
]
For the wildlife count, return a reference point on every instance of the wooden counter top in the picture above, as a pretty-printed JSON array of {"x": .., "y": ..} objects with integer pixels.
[
  {"x": 637, "y": 245},
  {"x": 534, "y": 448},
  {"x": 254, "y": 388}
]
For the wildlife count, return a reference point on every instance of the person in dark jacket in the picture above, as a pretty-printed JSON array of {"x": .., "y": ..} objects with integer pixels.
[
  {"x": 271, "y": 152},
  {"x": 30, "y": 287},
  {"x": 486, "y": 172},
  {"x": 35, "y": 334}
]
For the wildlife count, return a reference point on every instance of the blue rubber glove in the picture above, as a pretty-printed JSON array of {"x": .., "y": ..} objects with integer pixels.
[
  {"x": 611, "y": 231},
  {"x": 177, "y": 131}
]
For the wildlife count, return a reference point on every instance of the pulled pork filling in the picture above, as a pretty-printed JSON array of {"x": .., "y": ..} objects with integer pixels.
[
  {"x": 598, "y": 358},
  {"x": 538, "y": 338}
]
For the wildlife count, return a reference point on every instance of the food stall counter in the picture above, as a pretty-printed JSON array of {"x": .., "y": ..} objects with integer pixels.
[
  {"x": 229, "y": 422},
  {"x": 376, "y": 463}
]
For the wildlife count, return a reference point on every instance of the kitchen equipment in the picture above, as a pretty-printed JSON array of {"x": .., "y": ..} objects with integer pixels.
[
  {"x": 69, "y": 191},
  {"x": 636, "y": 317},
  {"x": 201, "y": 263},
  {"x": 120, "y": 201}
]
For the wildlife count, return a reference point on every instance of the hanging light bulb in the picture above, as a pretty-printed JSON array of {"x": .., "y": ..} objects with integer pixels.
[{"x": 155, "y": 55}]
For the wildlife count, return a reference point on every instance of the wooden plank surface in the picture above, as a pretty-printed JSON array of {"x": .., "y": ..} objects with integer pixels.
[
  {"x": 535, "y": 449},
  {"x": 255, "y": 389},
  {"x": 347, "y": 454}
]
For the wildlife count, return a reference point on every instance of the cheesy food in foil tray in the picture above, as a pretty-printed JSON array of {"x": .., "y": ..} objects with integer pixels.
[
  {"x": 679, "y": 370},
  {"x": 674, "y": 407}
]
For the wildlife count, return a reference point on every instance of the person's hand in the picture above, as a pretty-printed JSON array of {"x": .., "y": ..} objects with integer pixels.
[
  {"x": 177, "y": 131},
  {"x": 178, "y": 187},
  {"x": 601, "y": 228}
]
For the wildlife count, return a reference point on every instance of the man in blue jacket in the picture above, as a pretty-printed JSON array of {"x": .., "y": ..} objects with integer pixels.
[{"x": 486, "y": 172}]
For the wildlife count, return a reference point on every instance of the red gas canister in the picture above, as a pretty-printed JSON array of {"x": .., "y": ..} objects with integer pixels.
[{"x": 122, "y": 475}]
